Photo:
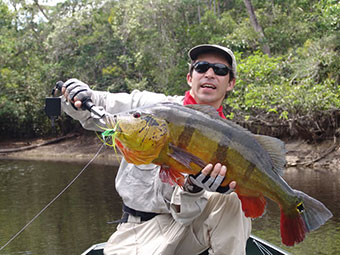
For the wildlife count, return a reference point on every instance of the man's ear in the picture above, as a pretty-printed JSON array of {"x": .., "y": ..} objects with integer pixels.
[
  {"x": 189, "y": 79},
  {"x": 231, "y": 85}
]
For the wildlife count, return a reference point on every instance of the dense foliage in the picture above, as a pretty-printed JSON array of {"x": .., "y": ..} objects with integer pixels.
[{"x": 127, "y": 44}]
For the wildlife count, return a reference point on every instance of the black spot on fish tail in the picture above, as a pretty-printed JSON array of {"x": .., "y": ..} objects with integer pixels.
[{"x": 300, "y": 208}]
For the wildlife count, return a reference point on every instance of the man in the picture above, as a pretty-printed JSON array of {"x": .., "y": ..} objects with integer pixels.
[{"x": 163, "y": 219}]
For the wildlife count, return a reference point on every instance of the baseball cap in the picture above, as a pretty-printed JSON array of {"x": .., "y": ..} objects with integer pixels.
[{"x": 200, "y": 49}]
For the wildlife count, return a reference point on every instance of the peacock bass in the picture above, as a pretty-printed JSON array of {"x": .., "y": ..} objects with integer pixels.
[{"x": 184, "y": 139}]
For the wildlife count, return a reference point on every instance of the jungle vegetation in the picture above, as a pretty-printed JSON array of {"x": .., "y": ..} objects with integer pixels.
[{"x": 287, "y": 52}]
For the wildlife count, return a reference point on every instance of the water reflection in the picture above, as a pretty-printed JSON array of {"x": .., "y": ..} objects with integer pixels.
[{"x": 78, "y": 218}]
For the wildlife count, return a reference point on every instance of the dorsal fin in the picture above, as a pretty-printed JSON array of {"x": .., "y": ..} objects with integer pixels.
[
  {"x": 211, "y": 111},
  {"x": 276, "y": 150},
  {"x": 237, "y": 126}
]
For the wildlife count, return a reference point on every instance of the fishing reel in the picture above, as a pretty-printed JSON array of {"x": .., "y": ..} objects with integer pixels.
[{"x": 53, "y": 104}]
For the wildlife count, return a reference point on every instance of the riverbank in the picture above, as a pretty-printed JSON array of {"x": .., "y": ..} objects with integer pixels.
[
  {"x": 324, "y": 155},
  {"x": 75, "y": 148}
]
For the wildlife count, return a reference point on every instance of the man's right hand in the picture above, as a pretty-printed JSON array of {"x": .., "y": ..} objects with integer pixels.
[{"x": 75, "y": 91}]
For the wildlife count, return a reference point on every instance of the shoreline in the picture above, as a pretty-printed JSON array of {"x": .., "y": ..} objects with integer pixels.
[
  {"x": 81, "y": 148},
  {"x": 77, "y": 148}
]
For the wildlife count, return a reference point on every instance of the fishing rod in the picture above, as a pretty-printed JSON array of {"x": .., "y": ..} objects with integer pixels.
[{"x": 53, "y": 109}]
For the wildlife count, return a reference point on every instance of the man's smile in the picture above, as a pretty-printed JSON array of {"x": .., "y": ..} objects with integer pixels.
[{"x": 210, "y": 86}]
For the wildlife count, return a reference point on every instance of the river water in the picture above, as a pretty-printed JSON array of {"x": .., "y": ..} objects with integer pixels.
[{"x": 79, "y": 217}]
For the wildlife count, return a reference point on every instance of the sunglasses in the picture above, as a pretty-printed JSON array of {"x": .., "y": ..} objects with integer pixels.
[{"x": 219, "y": 69}]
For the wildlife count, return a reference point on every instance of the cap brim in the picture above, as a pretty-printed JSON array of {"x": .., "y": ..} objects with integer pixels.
[{"x": 201, "y": 49}]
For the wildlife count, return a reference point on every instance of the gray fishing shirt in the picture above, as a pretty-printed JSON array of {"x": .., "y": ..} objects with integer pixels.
[{"x": 139, "y": 185}]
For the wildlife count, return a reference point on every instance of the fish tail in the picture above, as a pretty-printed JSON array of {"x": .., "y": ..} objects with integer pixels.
[
  {"x": 308, "y": 215},
  {"x": 314, "y": 213}
]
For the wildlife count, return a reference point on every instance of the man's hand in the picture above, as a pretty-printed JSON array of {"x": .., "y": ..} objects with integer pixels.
[
  {"x": 75, "y": 91},
  {"x": 210, "y": 178}
]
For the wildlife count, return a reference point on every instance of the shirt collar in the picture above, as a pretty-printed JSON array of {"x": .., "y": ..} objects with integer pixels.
[{"x": 188, "y": 99}]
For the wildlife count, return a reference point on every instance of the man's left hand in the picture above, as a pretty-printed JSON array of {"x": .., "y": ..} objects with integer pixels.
[{"x": 210, "y": 178}]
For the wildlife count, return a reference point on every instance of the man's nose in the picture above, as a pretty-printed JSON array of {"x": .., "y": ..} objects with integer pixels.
[{"x": 210, "y": 72}]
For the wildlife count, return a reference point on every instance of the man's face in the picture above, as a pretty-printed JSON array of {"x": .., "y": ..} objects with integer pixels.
[{"x": 210, "y": 88}]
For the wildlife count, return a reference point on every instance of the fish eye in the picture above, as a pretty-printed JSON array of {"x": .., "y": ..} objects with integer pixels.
[{"x": 136, "y": 114}]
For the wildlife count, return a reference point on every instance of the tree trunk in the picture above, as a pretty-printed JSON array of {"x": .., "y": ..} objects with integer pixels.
[
  {"x": 214, "y": 4},
  {"x": 256, "y": 26},
  {"x": 199, "y": 11}
]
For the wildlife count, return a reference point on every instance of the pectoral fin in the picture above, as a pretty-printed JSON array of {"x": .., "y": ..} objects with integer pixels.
[
  {"x": 170, "y": 176},
  {"x": 185, "y": 158}
]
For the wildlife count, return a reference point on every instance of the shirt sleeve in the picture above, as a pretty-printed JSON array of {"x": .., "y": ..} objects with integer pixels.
[
  {"x": 186, "y": 206},
  {"x": 115, "y": 103}
]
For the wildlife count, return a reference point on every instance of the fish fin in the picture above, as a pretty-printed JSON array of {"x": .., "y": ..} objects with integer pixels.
[
  {"x": 253, "y": 207},
  {"x": 167, "y": 175},
  {"x": 293, "y": 229},
  {"x": 207, "y": 109},
  {"x": 276, "y": 150},
  {"x": 308, "y": 215},
  {"x": 211, "y": 111},
  {"x": 185, "y": 158},
  {"x": 164, "y": 175},
  {"x": 314, "y": 212}
]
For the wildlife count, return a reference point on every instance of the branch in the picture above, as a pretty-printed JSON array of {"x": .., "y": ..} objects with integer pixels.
[
  {"x": 330, "y": 149},
  {"x": 41, "y": 9}
]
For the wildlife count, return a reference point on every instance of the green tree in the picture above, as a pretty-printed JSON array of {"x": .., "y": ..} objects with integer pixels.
[{"x": 139, "y": 44}]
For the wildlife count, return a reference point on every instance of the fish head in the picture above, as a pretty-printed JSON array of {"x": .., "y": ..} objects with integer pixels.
[{"x": 139, "y": 135}]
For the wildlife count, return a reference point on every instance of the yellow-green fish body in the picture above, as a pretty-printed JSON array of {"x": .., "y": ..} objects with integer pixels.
[{"x": 184, "y": 139}]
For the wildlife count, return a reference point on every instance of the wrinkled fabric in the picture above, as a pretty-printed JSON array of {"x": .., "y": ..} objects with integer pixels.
[{"x": 221, "y": 227}]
